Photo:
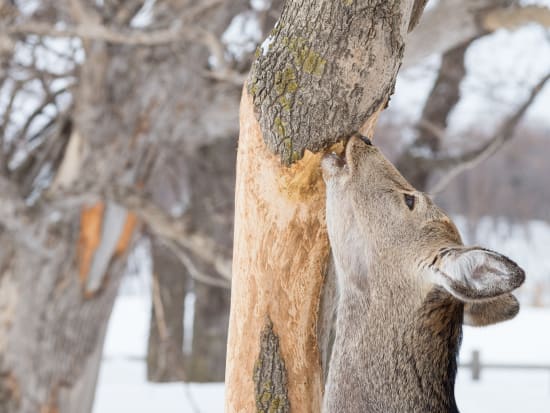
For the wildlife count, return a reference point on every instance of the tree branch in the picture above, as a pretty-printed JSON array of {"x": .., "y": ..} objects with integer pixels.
[
  {"x": 14, "y": 218},
  {"x": 452, "y": 22},
  {"x": 194, "y": 272},
  {"x": 90, "y": 28},
  {"x": 174, "y": 229},
  {"x": 457, "y": 164},
  {"x": 512, "y": 18}
]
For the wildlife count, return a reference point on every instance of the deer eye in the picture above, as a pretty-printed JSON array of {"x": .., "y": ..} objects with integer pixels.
[{"x": 409, "y": 200}]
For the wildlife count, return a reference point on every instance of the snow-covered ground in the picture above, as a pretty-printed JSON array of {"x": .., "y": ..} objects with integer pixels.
[{"x": 524, "y": 340}]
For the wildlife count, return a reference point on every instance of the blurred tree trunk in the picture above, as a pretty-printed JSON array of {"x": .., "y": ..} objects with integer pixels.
[
  {"x": 327, "y": 70},
  {"x": 169, "y": 287},
  {"x": 52, "y": 327},
  {"x": 211, "y": 213},
  {"x": 207, "y": 360}
]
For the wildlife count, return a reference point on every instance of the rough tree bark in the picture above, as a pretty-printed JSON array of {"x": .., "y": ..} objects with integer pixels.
[{"x": 327, "y": 70}]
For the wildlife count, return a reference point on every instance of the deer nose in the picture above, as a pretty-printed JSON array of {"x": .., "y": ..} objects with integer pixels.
[{"x": 366, "y": 140}]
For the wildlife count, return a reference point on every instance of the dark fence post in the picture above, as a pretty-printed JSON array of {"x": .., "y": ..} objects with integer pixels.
[{"x": 476, "y": 365}]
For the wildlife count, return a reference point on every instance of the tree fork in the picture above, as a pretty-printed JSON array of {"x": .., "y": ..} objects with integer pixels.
[{"x": 326, "y": 70}]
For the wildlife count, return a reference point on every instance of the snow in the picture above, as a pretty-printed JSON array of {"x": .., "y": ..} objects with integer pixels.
[
  {"x": 260, "y": 5},
  {"x": 144, "y": 16},
  {"x": 242, "y": 35},
  {"x": 123, "y": 386},
  {"x": 523, "y": 340}
]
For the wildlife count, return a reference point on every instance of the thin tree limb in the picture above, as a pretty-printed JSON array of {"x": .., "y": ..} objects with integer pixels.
[
  {"x": 174, "y": 229},
  {"x": 181, "y": 30},
  {"x": 194, "y": 272},
  {"x": 14, "y": 218},
  {"x": 512, "y": 18}
]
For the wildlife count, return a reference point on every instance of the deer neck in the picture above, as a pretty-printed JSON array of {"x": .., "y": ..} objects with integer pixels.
[{"x": 396, "y": 347}]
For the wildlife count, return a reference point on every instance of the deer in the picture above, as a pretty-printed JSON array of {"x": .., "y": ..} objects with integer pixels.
[{"x": 405, "y": 284}]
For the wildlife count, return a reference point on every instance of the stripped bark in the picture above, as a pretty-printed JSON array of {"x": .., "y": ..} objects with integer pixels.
[{"x": 311, "y": 85}]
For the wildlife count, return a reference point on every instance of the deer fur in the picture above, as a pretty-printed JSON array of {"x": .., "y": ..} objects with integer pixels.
[{"x": 405, "y": 284}]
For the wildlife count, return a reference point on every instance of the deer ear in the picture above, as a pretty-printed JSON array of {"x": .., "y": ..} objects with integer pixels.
[
  {"x": 472, "y": 274},
  {"x": 496, "y": 310}
]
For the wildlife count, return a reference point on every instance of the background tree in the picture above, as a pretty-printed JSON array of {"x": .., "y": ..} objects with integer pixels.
[{"x": 118, "y": 122}]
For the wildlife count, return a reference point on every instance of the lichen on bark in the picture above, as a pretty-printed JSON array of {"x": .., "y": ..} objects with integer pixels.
[
  {"x": 270, "y": 377},
  {"x": 318, "y": 77}
]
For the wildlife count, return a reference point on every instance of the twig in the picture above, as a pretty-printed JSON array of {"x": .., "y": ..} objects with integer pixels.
[
  {"x": 456, "y": 165},
  {"x": 14, "y": 218},
  {"x": 194, "y": 272},
  {"x": 178, "y": 31},
  {"x": 173, "y": 229}
]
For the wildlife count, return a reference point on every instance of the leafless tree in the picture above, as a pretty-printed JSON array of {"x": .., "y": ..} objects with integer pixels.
[{"x": 119, "y": 120}]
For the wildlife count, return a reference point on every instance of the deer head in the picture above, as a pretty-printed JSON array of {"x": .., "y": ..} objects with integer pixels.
[{"x": 374, "y": 216}]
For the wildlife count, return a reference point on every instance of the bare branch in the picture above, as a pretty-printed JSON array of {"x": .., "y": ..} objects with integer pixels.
[
  {"x": 452, "y": 22},
  {"x": 99, "y": 32},
  {"x": 49, "y": 98},
  {"x": 227, "y": 75},
  {"x": 512, "y": 18},
  {"x": 177, "y": 32},
  {"x": 194, "y": 272},
  {"x": 169, "y": 228},
  {"x": 14, "y": 218},
  {"x": 457, "y": 164},
  {"x": 89, "y": 27}
]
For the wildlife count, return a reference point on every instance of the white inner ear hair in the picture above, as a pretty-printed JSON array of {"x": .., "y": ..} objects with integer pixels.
[{"x": 475, "y": 269}]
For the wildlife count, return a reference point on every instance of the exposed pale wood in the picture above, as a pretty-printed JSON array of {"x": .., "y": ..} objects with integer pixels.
[
  {"x": 90, "y": 236},
  {"x": 280, "y": 253}
]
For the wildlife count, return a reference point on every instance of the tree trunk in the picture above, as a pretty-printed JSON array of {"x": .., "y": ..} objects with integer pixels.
[
  {"x": 51, "y": 330},
  {"x": 327, "y": 69},
  {"x": 207, "y": 359},
  {"x": 164, "y": 352}
]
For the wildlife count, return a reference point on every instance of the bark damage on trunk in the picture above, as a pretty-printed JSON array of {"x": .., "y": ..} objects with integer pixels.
[
  {"x": 326, "y": 70},
  {"x": 270, "y": 376}
]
